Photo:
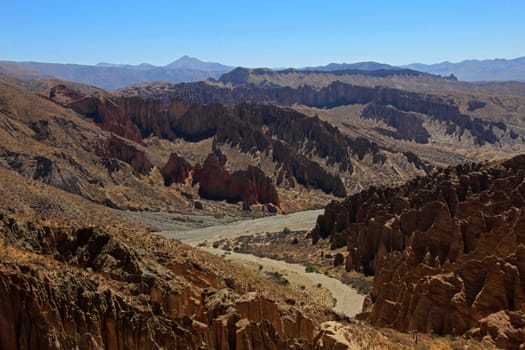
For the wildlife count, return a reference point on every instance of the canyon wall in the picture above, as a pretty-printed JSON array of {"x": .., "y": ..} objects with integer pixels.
[{"x": 447, "y": 251}]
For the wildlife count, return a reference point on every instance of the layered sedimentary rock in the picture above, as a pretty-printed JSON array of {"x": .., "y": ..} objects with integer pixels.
[
  {"x": 249, "y": 127},
  {"x": 65, "y": 287},
  {"x": 434, "y": 107},
  {"x": 447, "y": 250},
  {"x": 125, "y": 151},
  {"x": 250, "y": 186},
  {"x": 409, "y": 126},
  {"x": 106, "y": 113},
  {"x": 307, "y": 151}
]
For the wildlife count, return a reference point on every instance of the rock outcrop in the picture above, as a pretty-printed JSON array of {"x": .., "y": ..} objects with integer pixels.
[
  {"x": 307, "y": 151},
  {"x": 250, "y": 186},
  {"x": 128, "y": 152},
  {"x": 106, "y": 113},
  {"x": 64, "y": 94},
  {"x": 311, "y": 152},
  {"x": 176, "y": 170},
  {"x": 393, "y": 101},
  {"x": 64, "y": 287},
  {"x": 408, "y": 126},
  {"x": 447, "y": 250}
]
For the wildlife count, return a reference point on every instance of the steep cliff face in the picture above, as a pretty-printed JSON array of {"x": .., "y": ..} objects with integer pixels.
[
  {"x": 249, "y": 127},
  {"x": 305, "y": 151},
  {"x": 391, "y": 105},
  {"x": 176, "y": 170},
  {"x": 446, "y": 250},
  {"x": 408, "y": 126},
  {"x": 250, "y": 186},
  {"x": 438, "y": 109},
  {"x": 107, "y": 114},
  {"x": 65, "y": 287},
  {"x": 335, "y": 94},
  {"x": 308, "y": 150},
  {"x": 121, "y": 149}
]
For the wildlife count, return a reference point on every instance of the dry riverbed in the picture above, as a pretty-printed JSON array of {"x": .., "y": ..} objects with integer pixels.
[{"x": 306, "y": 274}]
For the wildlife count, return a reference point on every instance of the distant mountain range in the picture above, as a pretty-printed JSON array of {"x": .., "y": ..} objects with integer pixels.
[
  {"x": 352, "y": 66},
  {"x": 469, "y": 70},
  {"x": 477, "y": 70},
  {"x": 111, "y": 76}
]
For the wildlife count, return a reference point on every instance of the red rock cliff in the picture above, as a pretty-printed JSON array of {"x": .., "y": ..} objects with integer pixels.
[{"x": 447, "y": 251}]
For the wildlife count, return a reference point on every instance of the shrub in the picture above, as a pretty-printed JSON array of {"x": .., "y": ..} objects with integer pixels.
[{"x": 310, "y": 269}]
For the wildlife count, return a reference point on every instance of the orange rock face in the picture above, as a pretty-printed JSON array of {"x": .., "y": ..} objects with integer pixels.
[
  {"x": 176, "y": 170},
  {"x": 447, "y": 251},
  {"x": 106, "y": 113},
  {"x": 249, "y": 186},
  {"x": 64, "y": 288}
]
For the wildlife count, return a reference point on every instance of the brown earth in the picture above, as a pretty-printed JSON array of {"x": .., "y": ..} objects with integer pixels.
[
  {"x": 446, "y": 251},
  {"x": 75, "y": 274},
  {"x": 69, "y": 278}
]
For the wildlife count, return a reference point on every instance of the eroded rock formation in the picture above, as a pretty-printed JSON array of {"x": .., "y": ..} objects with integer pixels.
[
  {"x": 339, "y": 94},
  {"x": 447, "y": 250},
  {"x": 250, "y": 186},
  {"x": 64, "y": 287},
  {"x": 121, "y": 149},
  {"x": 176, "y": 170},
  {"x": 106, "y": 113}
]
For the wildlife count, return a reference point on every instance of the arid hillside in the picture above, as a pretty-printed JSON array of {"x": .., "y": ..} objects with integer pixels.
[
  {"x": 76, "y": 274},
  {"x": 446, "y": 250},
  {"x": 171, "y": 155},
  {"x": 441, "y": 124}
]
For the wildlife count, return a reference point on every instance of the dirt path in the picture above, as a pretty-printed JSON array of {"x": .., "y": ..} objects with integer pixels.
[{"x": 304, "y": 220}]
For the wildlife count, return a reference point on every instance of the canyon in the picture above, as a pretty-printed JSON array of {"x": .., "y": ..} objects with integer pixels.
[{"x": 408, "y": 181}]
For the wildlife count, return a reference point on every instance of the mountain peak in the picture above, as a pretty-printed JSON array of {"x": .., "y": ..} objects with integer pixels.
[{"x": 192, "y": 63}]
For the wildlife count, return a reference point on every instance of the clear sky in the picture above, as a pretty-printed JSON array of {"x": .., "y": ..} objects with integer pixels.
[{"x": 261, "y": 33}]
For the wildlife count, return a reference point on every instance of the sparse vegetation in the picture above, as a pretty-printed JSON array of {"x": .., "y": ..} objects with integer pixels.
[
  {"x": 278, "y": 277},
  {"x": 286, "y": 231},
  {"x": 310, "y": 269}
]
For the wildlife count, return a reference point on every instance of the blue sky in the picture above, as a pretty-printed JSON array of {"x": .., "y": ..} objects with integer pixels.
[{"x": 261, "y": 33}]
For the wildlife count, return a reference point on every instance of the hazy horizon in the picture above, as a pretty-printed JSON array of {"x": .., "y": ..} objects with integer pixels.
[
  {"x": 273, "y": 67},
  {"x": 263, "y": 34}
]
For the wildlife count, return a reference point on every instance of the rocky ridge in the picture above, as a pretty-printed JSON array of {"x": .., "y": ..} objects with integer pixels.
[
  {"x": 301, "y": 150},
  {"x": 446, "y": 250},
  {"x": 65, "y": 287},
  {"x": 250, "y": 186},
  {"x": 47, "y": 142},
  {"x": 390, "y": 105}
]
